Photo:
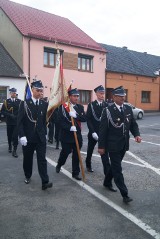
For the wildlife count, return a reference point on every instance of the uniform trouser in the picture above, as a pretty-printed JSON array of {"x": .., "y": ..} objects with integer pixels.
[
  {"x": 12, "y": 134},
  {"x": 91, "y": 144},
  {"x": 67, "y": 148},
  {"x": 51, "y": 131},
  {"x": 28, "y": 152},
  {"x": 116, "y": 159},
  {"x": 57, "y": 132},
  {"x": 107, "y": 169}
]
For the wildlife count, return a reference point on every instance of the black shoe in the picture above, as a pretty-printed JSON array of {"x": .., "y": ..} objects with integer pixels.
[
  {"x": 77, "y": 177},
  {"x": 58, "y": 168},
  {"x": 127, "y": 199},
  {"x": 57, "y": 145},
  {"x": 14, "y": 154},
  {"x": 27, "y": 180},
  {"x": 50, "y": 141},
  {"x": 90, "y": 170},
  {"x": 46, "y": 185},
  {"x": 110, "y": 188}
]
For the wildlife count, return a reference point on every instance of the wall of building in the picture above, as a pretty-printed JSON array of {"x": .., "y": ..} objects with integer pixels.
[
  {"x": 19, "y": 84},
  {"x": 81, "y": 80},
  {"x": 135, "y": 85},
  {"x": 11, "y": 38}
]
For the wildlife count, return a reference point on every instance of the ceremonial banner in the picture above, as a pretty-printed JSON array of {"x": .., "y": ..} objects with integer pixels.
[
  {"x": 58, "y": 93},
  {"x": 27, "y": 91}
]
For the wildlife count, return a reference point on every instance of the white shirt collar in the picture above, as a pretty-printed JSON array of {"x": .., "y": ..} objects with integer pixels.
[
  {"x": 118, "y": 106},
  {"x": 99, "y": 102},
  {"x": 34, "y": 100},
  {"x": 72, "y": 107}
]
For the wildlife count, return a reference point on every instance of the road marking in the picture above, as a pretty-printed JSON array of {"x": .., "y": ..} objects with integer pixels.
[
  {"x": 3, "y": 143},
  {"x": 156, "y": 170},
  {"x": 144, "y": 163},
  {"x": 151, "y": 135},
  {"x": 107, "y": 201},
  {"x": 147, "y": 142},
  {"x": 149, "y": 125},
  {"x": 125, "y": 161}
]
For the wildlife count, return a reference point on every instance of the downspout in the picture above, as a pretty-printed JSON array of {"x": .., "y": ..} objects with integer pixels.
[{"x": 29, "y": 58}]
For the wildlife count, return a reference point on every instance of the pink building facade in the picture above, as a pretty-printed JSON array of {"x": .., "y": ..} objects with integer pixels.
[
  {"x": 29, "y": 35},
  {"x": 83, "y": 80}
]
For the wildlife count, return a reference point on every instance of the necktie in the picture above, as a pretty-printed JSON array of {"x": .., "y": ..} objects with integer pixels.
[
  {"x": 37, "y": 105},
  {"x": 122, "y": 112}
]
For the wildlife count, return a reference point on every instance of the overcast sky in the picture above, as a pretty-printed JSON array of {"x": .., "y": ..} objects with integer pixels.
[{"x": 131, "y": 23}]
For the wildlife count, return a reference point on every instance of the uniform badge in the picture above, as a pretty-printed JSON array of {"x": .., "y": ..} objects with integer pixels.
[{"x": 118, "y": 119}]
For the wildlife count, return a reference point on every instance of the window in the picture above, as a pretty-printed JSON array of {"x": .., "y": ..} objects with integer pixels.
[
  {"x": 145, "y": 97},
  {"x": 85, "y": 62},
  {"x": 84, "y": 96},
  {"x": 49, "y": 57},
  {"x": 3, "y": 94}
]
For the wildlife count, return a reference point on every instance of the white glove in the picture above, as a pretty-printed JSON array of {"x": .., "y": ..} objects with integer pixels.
[
  {"x": 95, "y": 136},
  {"x": 73, "y": 114},
  {"x": 73, "y": 128},
  {"x": 23, "y": 141}
]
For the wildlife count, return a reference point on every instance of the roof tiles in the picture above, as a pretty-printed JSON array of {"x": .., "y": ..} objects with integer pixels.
[
  {"x": 43, "y": 25},
  {"x": 123, "y": 60}
]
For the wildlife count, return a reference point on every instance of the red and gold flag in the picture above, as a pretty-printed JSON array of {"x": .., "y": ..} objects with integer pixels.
[{"x": 58, "y": 93}]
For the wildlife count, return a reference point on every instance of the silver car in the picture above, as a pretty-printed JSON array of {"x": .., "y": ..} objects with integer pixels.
[{"x": 138, "y": 113}]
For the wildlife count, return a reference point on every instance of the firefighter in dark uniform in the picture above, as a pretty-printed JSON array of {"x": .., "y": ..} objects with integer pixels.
[
  {"x": 10, "y": 111},
  {"x": 66, "y": 111},
  {"x": 93, "y": 115},
  {"x": 32, "y": 133},
  {"x": 116, "y": 122}
]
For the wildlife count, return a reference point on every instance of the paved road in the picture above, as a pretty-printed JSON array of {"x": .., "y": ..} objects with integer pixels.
[{"x": 83, "y": 210}]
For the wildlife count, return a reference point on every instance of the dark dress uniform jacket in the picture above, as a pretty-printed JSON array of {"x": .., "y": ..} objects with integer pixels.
[
  {"x": 93, "y": 115},
  {"x": 112, "y": 137},
  {"x": 10, "y": 110},
  {"x": 67, "y": 136},
  {"x": 32, "y": 131}
]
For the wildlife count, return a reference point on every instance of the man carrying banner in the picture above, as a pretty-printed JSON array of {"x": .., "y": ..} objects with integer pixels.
[
  {"x": 66, "y": 111},
  {"x": 10, "y": 111},
  {"x": 32, "y": 133}
]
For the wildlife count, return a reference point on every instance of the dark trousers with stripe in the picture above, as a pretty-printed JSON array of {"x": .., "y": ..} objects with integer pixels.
[
  {"x": 28, "y": 152},
  {"x": 116, "y": 168},
  {"x": 12, "y": 135},
  {"x": 91, "y": 144},
  {"x": 67, "y": 148}
]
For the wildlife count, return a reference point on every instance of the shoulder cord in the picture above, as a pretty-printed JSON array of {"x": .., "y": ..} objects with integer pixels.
[
  {"x": 109, "y": 117},
  {"x": 94, "y": 114},
  {"x": 64, "y": 114},
  {"x": 11, "y": 109},
  {"x": 27, "y": 110}
]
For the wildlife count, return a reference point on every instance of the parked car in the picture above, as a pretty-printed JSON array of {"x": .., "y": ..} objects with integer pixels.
[{"x": 138, "y": 113}]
